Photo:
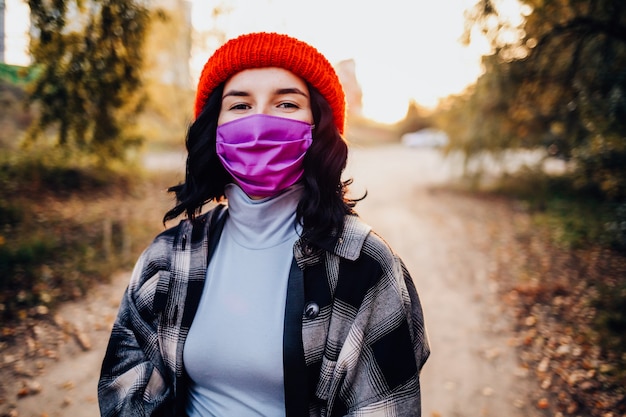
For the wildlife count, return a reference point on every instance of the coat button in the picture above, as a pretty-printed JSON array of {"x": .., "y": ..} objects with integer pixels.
[
  {"x": 308, "y": 250},
  {"x": 311, "y": 310}
]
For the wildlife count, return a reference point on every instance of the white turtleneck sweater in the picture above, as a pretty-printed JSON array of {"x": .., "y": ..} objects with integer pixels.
[{"x": 234, "y": 350}]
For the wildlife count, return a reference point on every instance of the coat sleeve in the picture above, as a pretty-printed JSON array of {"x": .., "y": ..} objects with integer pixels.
[
  {"x": 392, "y": 353},
  {"x": 377, "y": 371},
  {"x": 133, "y": 379},
  {"x": 415, "y": 316}
]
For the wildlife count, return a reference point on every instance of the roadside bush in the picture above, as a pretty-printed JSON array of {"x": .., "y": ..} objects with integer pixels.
[
  {"x": 576, "y": 216},
  {"x": 53, "y": 170},
  {"x": 611, "y": 317},
  {"x": 579, "y": 221},
  {"x": 15, "y": 117},
  {"x": 63, "y": 227}
]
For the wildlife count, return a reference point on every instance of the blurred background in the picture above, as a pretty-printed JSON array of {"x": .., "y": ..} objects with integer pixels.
[{"x": 520, "y": 101}]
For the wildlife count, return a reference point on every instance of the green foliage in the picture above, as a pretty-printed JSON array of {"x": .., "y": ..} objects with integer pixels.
[
  {"x": 611, "y": 318},
  {"x": 14, "y": 117},
  {"x": 19, "y": 262},
  {"x": 575, "y": 217},
  {"x": 54, "y": 170},
  {"x": 10, "y": 213},
  {"x": 610, "y": 321},
  {"x": 90, "y": 60},
  {"x": 43, "y": 262},
  {"x": 556, "y": 80},
  {"x": 577, "y": 223},
  {"x": 17, "y": 75}
]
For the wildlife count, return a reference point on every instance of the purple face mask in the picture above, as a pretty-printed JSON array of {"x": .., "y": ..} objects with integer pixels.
[{"x": 264, "y": 153}]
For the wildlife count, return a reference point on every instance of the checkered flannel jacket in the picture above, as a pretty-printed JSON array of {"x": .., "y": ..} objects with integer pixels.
[{"x": 354, "y": 340}]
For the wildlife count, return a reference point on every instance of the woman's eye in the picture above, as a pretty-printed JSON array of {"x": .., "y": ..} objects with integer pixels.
[
  {"x": 239, "y": 106},
  {"x": 288, "y": 105}
]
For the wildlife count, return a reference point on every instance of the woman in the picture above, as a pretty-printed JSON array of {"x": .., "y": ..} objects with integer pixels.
[{"x": 283, "y": 303}]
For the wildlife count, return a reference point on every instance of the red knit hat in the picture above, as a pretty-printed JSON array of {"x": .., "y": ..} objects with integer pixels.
[{"x": 259, "y": 50}]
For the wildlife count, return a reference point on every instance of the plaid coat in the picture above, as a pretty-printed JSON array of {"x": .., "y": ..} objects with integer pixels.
[{"x": 354, "y": 339}]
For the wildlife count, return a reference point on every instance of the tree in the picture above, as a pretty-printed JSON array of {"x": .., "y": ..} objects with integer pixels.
[
  {"x": 90, "y": 58},
  {"x": 416, "y": 118},
  {"x": 557, "y": 78}
]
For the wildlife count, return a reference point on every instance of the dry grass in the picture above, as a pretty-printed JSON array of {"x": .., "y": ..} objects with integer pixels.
[{"x": 56, "y": 242}]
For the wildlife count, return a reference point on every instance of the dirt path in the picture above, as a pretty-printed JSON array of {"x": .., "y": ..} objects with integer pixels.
[
  {"x": 66, "y": 385},
  {"x": 447, "y": 241}
]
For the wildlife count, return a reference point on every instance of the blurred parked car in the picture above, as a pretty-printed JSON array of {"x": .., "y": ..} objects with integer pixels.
[{"x": 425, "y": 138}]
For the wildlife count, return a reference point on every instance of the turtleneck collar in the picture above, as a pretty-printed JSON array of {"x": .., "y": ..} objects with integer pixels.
[{"x": 264, "y": 223}]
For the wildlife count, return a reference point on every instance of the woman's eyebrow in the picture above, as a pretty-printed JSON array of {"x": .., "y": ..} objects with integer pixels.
[
  {"x": 280, "y": 91},
  {"x": 235, "y": 93},
  {"x": 293, "y": 90}
]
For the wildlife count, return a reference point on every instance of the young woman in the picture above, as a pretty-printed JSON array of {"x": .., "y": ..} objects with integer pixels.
[{"x": 282, "y": 303}]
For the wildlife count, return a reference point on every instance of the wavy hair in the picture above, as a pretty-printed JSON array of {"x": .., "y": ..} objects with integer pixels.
[{"x": 324, "y": 203}]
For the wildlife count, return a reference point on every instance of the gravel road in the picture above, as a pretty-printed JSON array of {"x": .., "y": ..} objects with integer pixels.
[{"x": 445, "y": 238}]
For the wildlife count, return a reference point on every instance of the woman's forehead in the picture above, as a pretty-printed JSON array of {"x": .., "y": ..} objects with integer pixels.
[{"x": 262, "y": 78}]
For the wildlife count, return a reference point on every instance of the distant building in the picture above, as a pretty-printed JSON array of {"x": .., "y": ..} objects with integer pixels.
[
  {"x": 2, "y": 30},
  {"x": 171, "y": 42},
  {"x": 346, "y": 71}
]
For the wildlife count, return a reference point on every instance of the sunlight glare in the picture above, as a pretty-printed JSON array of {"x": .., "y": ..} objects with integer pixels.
[
  {"x": 16, "y": 26},
  {"x": 403, "y": 49}
]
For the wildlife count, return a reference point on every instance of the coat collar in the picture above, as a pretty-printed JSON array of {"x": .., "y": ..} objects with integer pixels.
[{"x": 347, "y": 245}]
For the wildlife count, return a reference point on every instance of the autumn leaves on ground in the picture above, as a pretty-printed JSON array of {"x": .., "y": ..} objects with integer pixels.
[{"x": 556, "y": 296}]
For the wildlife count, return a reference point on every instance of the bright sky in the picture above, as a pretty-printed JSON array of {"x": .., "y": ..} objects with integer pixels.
[
  {"x": 16, "y": 28},
  {"x": 403, "y": 49}
]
